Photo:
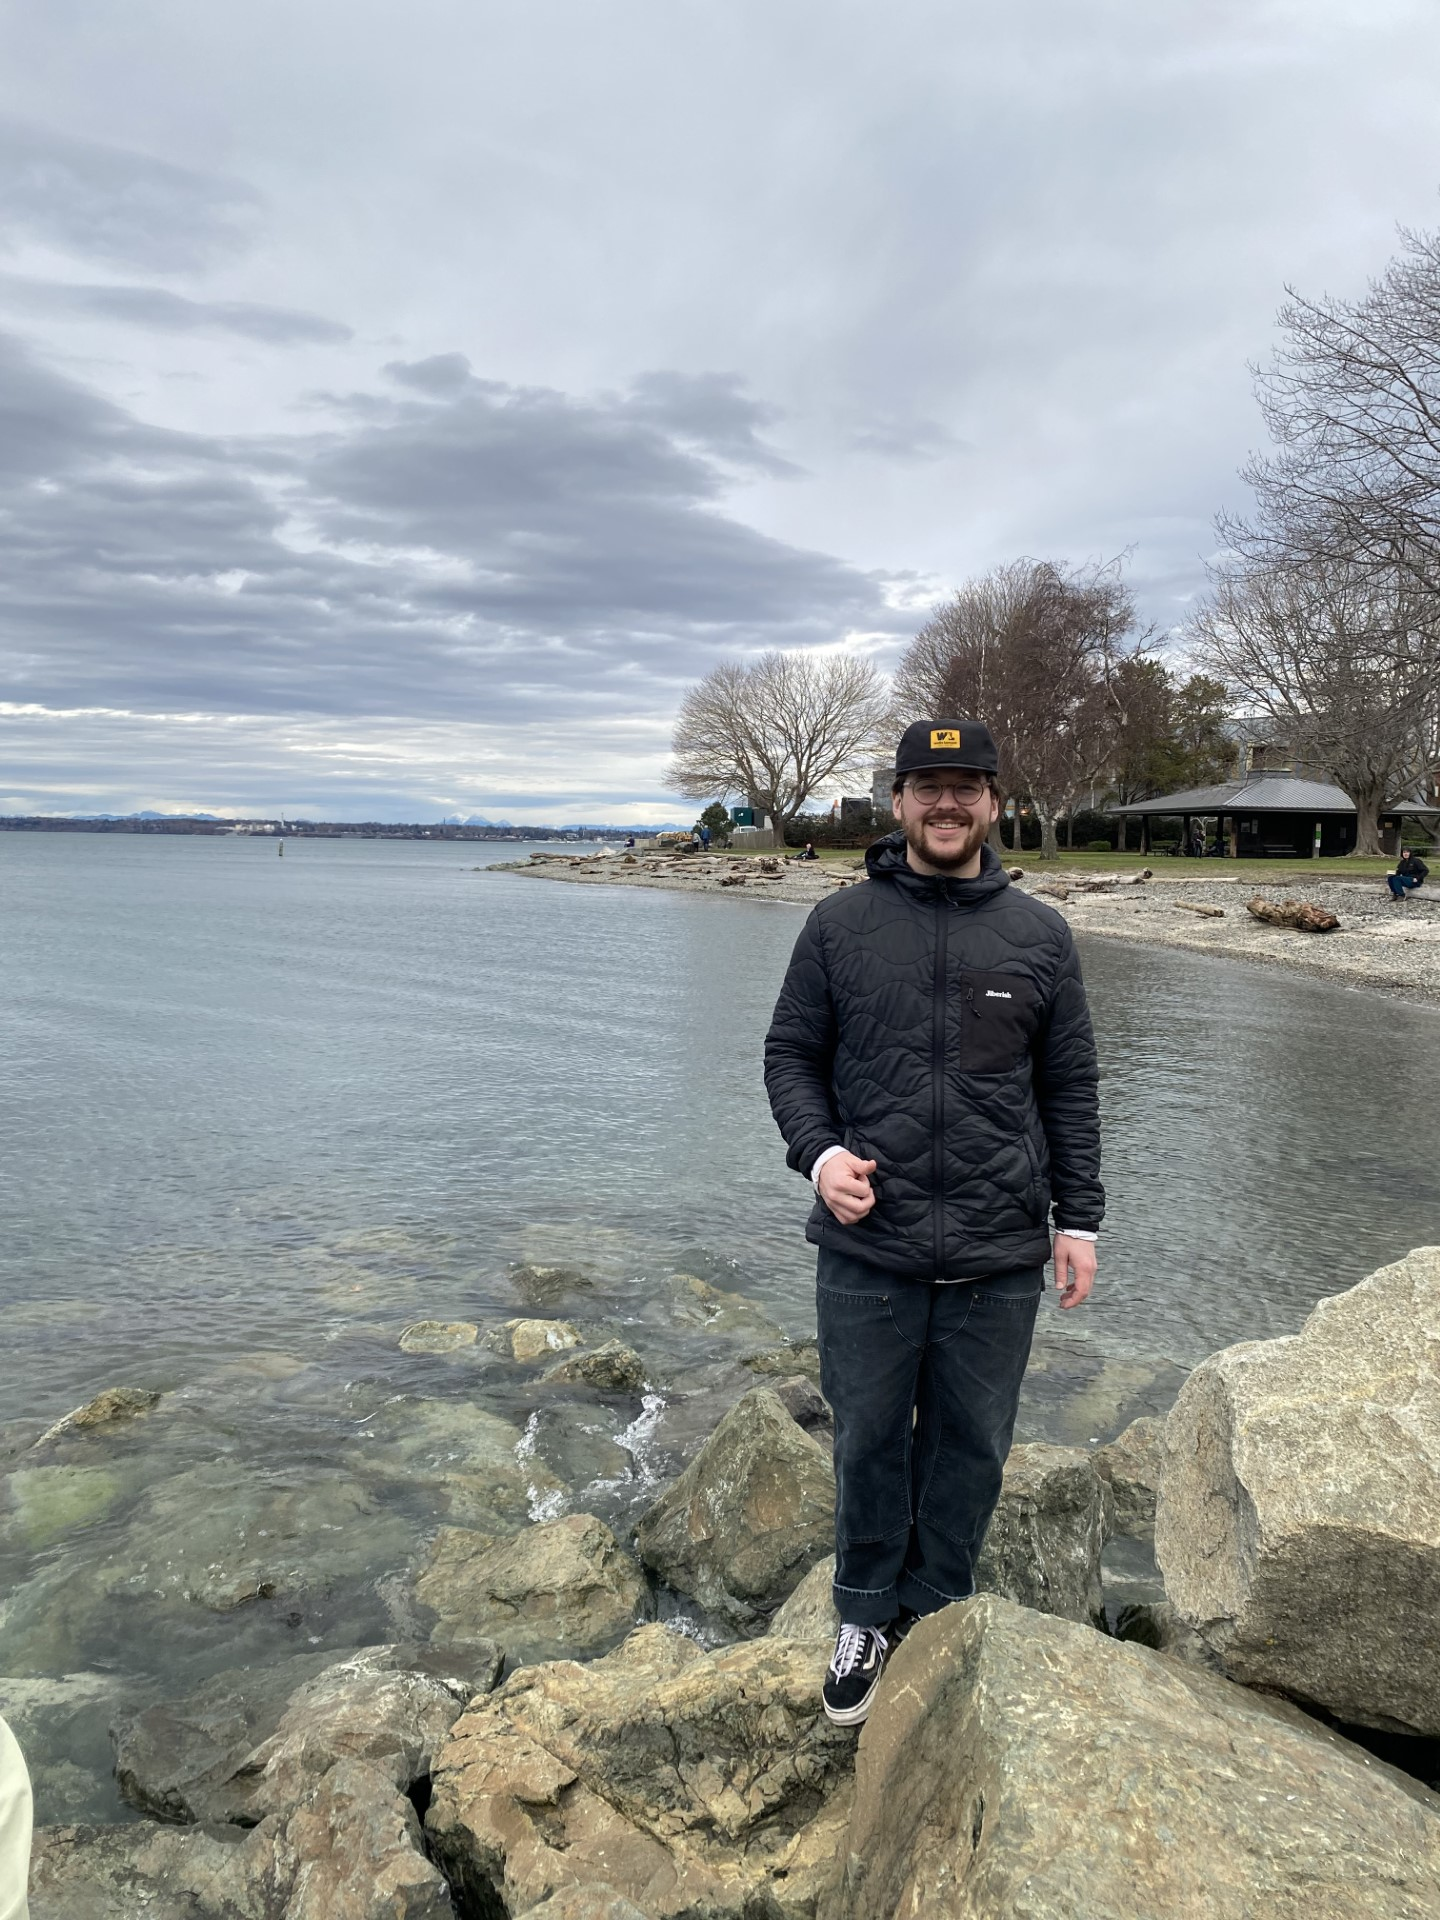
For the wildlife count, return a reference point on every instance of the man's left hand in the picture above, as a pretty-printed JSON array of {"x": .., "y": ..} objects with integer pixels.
[{"x": 1074, "y": 1269}]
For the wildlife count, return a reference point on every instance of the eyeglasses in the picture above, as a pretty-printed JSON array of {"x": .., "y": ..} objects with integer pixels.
[{"x": 928, "y": 789}]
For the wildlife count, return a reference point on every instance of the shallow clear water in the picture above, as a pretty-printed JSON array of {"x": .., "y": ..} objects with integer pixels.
[{"x": 256, "y": 1115}]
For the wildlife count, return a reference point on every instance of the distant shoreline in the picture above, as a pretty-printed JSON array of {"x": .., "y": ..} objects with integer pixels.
[{"x": 1381, "y": 947}]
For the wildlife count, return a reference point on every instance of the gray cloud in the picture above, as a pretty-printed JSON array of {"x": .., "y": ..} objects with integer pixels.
[
  {"x": 113, "y": 205},
  {"x": 156, "y": 309}
]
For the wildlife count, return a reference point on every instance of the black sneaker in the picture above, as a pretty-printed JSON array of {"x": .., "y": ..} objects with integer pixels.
[{"x": 854, "y": 1673}]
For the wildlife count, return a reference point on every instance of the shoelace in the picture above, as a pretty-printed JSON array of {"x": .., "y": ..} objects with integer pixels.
[{"x": 850, "y": 1646}]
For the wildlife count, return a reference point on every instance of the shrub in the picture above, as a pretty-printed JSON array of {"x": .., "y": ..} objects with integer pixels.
[{"x": 1099, "y": 846}]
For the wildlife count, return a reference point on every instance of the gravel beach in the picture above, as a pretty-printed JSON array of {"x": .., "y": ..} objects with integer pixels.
[{"x": 1381, "y": 946}]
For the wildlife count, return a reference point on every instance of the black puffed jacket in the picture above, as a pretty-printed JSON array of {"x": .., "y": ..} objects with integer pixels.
[{"x": 939, "y": 1027}]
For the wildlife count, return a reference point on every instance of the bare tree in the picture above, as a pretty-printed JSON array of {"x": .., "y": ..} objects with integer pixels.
[
  {"x": 1352, "y": 402},
  {"x": 777, "y": 730},
  {"x": 1343, "y": 659},
  {"x": 1034, "y": 650}
]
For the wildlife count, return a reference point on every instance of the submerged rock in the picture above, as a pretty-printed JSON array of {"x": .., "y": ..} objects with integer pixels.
[
  {"x": 105, "y": 1410},
  {"x": 1048, "y": 1533},
  {"x": 748, "y": 1517},
  {"x": 695, "y": 1303},
  {"x": 612, "y": 1368},
  {"x": 49, "y": 1502},
  {"x": 549, "y": 1286},
  {"x": 438, "y": 1336},
  {"x": 530, "y": 1340},
  {"x": 685, "y": 1783},
  {"x": 563, "y": 1587},
  {"x": 1298, "y": 1527},
  {"x": 1017, "y": 1763},
  {"x": 1130, "y": 1464}
]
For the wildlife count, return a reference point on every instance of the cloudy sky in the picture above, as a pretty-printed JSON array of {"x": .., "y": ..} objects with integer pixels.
[{"x": 400, "y": 404}]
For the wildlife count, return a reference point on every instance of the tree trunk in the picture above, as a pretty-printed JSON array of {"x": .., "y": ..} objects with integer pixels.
[
  {"x": 1367, "y": 821},
  {"x": 994, "y": 836},
  {"x": 1049, "y": 845}
]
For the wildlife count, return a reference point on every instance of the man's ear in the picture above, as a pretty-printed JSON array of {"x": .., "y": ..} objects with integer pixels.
[{"x": 895, "y": 802}]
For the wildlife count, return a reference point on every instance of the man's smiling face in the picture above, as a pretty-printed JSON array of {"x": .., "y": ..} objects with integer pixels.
[{"x": 947, "y": 815}]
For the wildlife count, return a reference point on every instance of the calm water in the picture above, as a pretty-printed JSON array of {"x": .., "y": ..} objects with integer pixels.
[
  {"x": 217, "y": 1066},
  {"x": 257, "y": 1115}
]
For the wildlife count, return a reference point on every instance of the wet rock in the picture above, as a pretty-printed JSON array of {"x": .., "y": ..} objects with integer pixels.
[
  {"x": 563, "y": 1587},
  {"x": 1048, "y": 1533},
  {"x": 809, "y": 1613},
  {"x": 60, "y": 1721},
  {"x": 472, "y": 1464},
  {"x": 807, "y": 1407},
  {"x": 220, "y": 1539},
  {"x": 175, "y": 1758},
  {"x": 695, "y": 1303},
  {"x": 47, "y": 1502},
  {"x": 577, "y": 1444},
  {"x": 530, "y": 1340},
  {"x": 107, "y": 1409},
  {"x": 786, "y": 1360},
  {"x": 438, "y": 1336},
  {"x": 1298, "y": 1527},
  {"x": 1130, "y": 1464},
  {"x": 686, "y": 1782},
  {"x": 748, "y": 1517},
  {"x": 612, "y": 1368},
  {"x": 350, "y": 1851},
  {"x": 1019, "y": 1763},
  {"x": 250, "y": 1743},
  {"x": 549, "y": 1286}
]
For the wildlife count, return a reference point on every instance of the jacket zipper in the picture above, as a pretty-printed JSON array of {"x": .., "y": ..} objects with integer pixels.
[{"x": 937, "y": 1069}]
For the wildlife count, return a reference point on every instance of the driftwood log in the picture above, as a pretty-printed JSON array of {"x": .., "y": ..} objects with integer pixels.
[
  {"x": 1302, "y": 915},
  {"x": 1138, "y": 879},
  {"x": 1210, "y": 913}
]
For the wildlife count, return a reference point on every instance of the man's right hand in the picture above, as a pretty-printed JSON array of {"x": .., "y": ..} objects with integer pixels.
[{"x": 843, "y": 1184}]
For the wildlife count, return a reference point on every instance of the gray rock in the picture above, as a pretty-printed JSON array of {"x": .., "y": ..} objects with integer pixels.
[
  {"x": 809, "y": 1613},
  {"x": 61, "y": 1723},
  {"x": 350, "y": 1851},
  {"x": 1299, "y": 1519},
  {"x": 560, "y": 1589},
  {"x": 107, "y": 1409},
  {"x": 251, "y": 1741},
  {"x": 688, "y": 1783},
  {"x": 748, "y": 1517},
  {"x": 611, "y": 1368},
  {"x": 1048, "y": 1533},
  {"x": 786, "y": 1360},
  {"x": 1131, "y": 1464},
  {"x": 474, "y": 1467},
  {"x": 438, "y": 1336},
  {"x": 693, "y": 1302},
  {"x": 549, "y": 1287},
  {"x": 531, "y": 1340},
  {"x": 1156, "y": 1624},
  {"x": 592, "y": 1902},
  {"x": 1017, "y": 1763}
]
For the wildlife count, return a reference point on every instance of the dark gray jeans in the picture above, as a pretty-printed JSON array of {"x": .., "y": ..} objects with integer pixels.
[{"x": 924, "y": 1381}]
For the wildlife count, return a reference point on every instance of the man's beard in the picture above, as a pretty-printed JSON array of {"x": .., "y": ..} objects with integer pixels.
[{"x": 946, "y": 859}]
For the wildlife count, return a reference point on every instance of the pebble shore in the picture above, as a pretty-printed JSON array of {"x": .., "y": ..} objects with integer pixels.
[{"x": 1381, "y": 946}]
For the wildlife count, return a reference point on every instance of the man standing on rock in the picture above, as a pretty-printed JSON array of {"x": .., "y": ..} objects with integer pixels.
[{"x": 932, "y": 1068}]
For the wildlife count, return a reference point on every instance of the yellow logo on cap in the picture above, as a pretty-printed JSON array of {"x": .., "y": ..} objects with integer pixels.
[{"x": 944, "y": 737}]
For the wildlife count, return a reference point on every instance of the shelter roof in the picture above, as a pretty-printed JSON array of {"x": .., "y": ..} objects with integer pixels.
[{"x": 1263, "y": 793}]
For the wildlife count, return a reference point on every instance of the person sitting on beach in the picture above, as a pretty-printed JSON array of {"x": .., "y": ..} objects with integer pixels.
[
  {"x": 1409, "y": 873},
  {"x": 809, "y": 852}
]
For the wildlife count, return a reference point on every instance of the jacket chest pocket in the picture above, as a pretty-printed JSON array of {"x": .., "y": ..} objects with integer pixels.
[{"x": 999, "y": 1015}]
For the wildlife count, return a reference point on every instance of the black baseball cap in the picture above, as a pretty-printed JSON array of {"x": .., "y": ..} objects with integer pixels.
[{"x": 946, "y": 743}]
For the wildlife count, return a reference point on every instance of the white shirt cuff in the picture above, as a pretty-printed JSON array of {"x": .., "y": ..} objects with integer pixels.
[
  {"x": 1077, "y": 1233},
  {"x": 820, "y": 1159}
]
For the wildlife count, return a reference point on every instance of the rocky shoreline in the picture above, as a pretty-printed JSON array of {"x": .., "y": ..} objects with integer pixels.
[
  {"x": 561, "y": 1736},
  {"x": 1383, "y": 947}
]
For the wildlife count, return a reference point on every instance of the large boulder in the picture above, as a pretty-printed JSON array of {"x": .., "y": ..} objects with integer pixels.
[
  {"x": 562, "y": 1588},
  {"x": 1131, "y": 1465},
  {"x": 1048, "y": 1532},
  {"x": 255, "y": 1741},
  {"x": 1016, "y": 1763},
  {"x": 748, "y": 1517},
  {"x": 1298, "y": 1527},
  {"x": 683, "y": 1782},
  {"x": 351, "y": 1850}
]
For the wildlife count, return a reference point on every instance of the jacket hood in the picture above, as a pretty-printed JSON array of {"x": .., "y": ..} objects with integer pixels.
[{"x": 885, "y": 860}]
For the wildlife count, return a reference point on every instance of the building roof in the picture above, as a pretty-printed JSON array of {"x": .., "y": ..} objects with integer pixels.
[{"x": 1264, "y": 793}]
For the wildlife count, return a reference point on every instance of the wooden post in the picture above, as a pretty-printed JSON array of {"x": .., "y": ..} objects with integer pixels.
[
  {"x": 1185, "y": 834},
  {"x": 1144, "y": 833}
]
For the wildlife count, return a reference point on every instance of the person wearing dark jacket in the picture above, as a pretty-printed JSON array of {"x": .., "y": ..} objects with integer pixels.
[
  {"x": 932, "y": 1068},
  {"x": 1410, "y": 872}
]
